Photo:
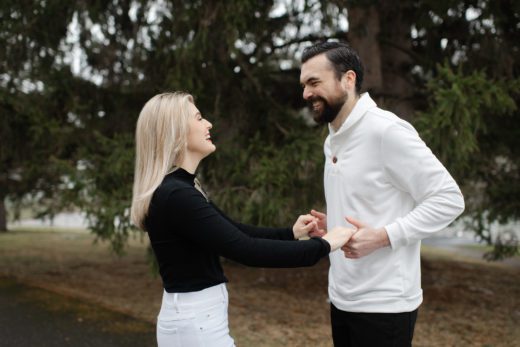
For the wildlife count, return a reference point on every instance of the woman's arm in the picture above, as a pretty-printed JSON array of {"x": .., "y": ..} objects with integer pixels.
[
  {"x": 198, "y": 221},
  {"x": 259, "y": 232}
]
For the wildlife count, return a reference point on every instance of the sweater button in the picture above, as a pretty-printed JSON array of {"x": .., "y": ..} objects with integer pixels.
[{"x": 334, "y": 160}]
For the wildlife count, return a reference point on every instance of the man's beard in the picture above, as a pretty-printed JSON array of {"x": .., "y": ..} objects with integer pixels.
[{"x": 329, "y": 112}]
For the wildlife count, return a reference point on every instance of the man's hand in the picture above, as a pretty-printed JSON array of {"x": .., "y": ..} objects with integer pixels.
[
  {"x": 365, "y": 240},
  {"x": 321, "y": 226}
]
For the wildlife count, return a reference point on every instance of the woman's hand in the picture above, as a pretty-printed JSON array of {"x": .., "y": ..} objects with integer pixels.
[
  {"x": 338, "y": 236},
  {"x": 304, "y": 225}
]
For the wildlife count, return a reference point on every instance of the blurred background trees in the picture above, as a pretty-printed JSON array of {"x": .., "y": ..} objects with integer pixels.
[{"x": 73, "y": 78}]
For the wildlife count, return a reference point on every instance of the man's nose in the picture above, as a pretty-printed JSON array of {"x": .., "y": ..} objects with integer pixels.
[{"x": 307, "y": 94}]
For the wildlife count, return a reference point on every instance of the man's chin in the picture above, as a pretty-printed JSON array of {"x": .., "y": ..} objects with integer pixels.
[{"x": 318, "y": 118}]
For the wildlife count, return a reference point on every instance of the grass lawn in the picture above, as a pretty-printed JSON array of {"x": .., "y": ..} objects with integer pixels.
[{"x": 467, "y": 301}]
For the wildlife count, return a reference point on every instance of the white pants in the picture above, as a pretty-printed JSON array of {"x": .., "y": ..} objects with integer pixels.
[{"x": 195, "y": 319}]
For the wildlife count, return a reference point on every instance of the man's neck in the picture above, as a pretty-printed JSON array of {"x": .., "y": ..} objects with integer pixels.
[{"x": 345, "y": 112}]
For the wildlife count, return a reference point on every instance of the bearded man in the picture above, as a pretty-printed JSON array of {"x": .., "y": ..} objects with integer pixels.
[{"x": 381, "y": 178}]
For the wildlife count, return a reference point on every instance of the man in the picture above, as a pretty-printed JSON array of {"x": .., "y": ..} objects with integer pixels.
[{"x": 387, "y": 183}]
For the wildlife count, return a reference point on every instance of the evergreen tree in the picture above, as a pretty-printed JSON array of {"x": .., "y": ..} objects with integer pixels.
[
  {"x": 79, "y": 73},
  {"x": 35, "y": 124}
]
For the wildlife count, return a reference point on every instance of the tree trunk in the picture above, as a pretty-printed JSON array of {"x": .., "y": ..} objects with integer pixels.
[
  {"x": 395, "y": 40},
  {"x": 381, "y": 35},
  {"x": 3, "y": 215},
  {"x": 363, "y": 37}
]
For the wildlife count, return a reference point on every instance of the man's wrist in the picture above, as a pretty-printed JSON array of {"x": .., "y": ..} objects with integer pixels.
[{"x": 385, "y": 240}]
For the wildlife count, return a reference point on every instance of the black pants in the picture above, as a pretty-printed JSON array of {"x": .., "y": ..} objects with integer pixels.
[{"x": 354, "y": 329}]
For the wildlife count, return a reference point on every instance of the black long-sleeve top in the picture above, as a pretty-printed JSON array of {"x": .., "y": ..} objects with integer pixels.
[{"x": 189, "y": 233}]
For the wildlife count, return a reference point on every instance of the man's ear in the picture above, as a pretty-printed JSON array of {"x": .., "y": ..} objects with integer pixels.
[{"x": 349, "y": 80}]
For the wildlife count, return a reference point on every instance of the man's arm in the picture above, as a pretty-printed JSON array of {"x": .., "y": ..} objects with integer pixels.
[{"x": 411, "y": 167}]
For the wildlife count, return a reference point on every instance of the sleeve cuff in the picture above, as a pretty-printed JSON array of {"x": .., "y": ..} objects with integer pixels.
[
  {"x": 290, "y": 234},
  {"x": 325, "y": 244},
  {"x": 396, "y": 235}
]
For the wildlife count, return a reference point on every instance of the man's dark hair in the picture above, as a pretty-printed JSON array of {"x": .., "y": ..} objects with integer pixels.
[{"x": 341, "y": 56}]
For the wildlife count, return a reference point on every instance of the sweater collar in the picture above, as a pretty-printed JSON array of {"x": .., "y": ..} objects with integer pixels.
[
  {"x": 364, "y": 103},
  {"x": 183, "y": 175}
]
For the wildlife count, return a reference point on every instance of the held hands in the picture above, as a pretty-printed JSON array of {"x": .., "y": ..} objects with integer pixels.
[
  {"x": 365, "y": 240},
  {"x": 362, "y": 242},
  {"x": 338, "y": 236},
  {"x": 304, "y": 225}
]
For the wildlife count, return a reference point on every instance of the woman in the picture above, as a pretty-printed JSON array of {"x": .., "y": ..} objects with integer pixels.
[{"x": 188, "y": 233}]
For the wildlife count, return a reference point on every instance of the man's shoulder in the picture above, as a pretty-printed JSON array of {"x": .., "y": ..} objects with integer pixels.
[
  {"x": 381, "y": 116},
  {"x": 380, "y": 120}
]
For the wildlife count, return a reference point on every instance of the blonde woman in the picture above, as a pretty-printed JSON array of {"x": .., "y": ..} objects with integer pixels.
[{"x": 188, "y": 233}]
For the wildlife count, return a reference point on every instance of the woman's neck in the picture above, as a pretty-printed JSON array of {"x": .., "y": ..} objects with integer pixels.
[{"x": 190, "y": 164}]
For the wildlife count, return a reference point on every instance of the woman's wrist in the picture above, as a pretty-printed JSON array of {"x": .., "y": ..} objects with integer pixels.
[{"x": 295, "y": 234}]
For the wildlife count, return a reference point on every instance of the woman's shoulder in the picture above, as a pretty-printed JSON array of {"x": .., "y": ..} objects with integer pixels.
[{"x": 172, "y": 185}]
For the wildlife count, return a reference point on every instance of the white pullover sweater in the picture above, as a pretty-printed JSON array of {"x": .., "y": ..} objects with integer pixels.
[{"x": 380, "y": 172}]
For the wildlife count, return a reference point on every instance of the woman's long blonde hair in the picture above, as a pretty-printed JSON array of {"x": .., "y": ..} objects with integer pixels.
[{"x": 160, "y": 143}]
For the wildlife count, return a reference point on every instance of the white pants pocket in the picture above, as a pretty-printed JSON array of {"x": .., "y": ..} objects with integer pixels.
[{"x": 177, "y": 332}]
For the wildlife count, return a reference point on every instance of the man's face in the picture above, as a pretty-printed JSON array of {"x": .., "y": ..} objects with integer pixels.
[{"x": 321, "y": 89}]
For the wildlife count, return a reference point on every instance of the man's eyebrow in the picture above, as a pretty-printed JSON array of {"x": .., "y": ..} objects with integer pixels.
[{"x": 311, "y": 80}]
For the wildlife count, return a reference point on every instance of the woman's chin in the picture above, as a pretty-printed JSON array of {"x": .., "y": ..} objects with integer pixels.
[{"x": 210, "y": 150}]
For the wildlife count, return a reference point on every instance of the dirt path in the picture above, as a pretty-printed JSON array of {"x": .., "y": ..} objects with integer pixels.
[{"x": 34, "y": 317}]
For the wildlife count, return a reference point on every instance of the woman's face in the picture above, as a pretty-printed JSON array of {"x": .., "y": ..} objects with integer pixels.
[{"x": 199, "y": 139}]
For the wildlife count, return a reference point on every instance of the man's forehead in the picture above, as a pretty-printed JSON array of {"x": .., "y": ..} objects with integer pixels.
[{"x": 315, "y": 67}]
